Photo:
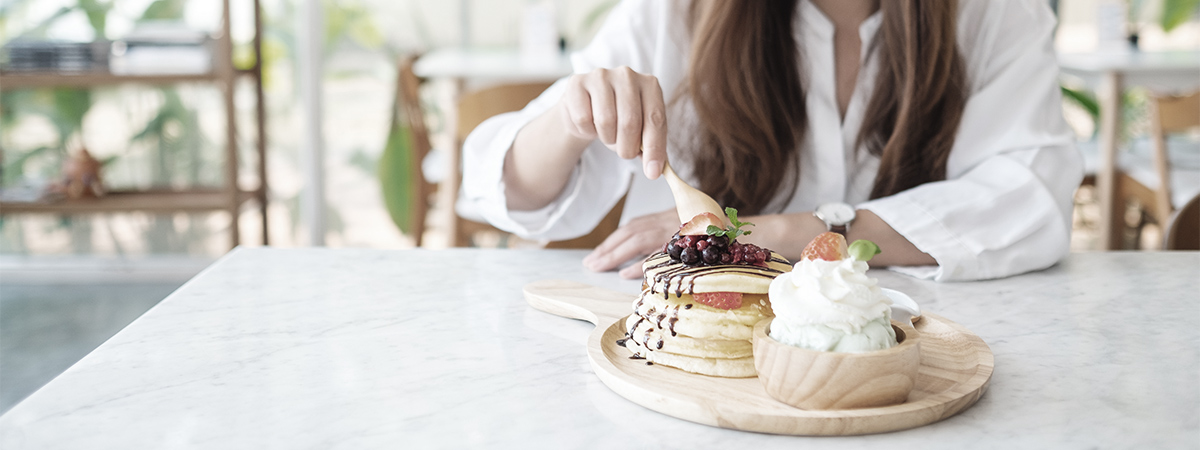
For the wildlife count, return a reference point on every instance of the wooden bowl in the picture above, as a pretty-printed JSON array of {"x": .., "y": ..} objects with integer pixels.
[{"x": 813, "y": 380}]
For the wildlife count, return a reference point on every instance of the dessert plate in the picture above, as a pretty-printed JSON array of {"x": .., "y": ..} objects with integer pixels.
[{"x": 956, "y": 366}]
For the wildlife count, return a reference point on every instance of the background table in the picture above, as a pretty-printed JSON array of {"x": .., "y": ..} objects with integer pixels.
[
  {"x": 323, "y": 348},
  {"x": 1110, "y": 73}
]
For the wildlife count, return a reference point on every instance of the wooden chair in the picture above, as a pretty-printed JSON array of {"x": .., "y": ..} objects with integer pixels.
[
  {"x": 473, "y": 109},
  {"x": 477, "y": 106},
  {"x": 1154, "y": 193},
  {"x": 1183, "y": 230},
  {"x": 408, "y": 93}
]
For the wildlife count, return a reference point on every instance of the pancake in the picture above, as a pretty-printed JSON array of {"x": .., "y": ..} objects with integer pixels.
[
  {"x": 717, "y": 367},
  {"x": 646, "y": 334},
  {"x": 683, "y": 315},
  {"x": 669, "y": 327}
]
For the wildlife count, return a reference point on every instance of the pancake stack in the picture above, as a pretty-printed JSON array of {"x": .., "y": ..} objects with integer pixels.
[{"x": 674, "y": 325}]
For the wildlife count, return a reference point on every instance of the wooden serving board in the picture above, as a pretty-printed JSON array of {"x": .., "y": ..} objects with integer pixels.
[{"x": 956, "y": 366}]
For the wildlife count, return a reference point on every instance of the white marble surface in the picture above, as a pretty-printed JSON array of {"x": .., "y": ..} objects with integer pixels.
[{"x": 437, "y": 349}]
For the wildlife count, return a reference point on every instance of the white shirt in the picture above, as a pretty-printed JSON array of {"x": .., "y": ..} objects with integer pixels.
[{"x": 1004, "y": 208}]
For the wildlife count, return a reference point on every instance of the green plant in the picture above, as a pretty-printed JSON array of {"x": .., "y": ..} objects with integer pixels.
[
  {"x": 731, "y": 232},
  {"x": 1176, "y": 12},
  {"x": 395, "y": 167}
]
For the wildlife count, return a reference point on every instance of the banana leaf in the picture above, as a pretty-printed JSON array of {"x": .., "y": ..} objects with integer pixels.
[
  {"x": 1084, "y": 99},
  {"x": 1176, "y": 12},
  {"x": 163, "y": 10},
  {"x": 396, "y": 166}
]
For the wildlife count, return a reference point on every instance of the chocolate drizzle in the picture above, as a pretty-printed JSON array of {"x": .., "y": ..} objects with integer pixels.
[
  {"x": 683, "y": 277},
  {"x": 674, "y": 276}
]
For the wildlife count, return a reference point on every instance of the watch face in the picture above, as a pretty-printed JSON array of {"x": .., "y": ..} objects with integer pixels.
[{"x": 836, "y": 213}]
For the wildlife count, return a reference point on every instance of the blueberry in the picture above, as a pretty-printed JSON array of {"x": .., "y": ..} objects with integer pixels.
[
  {"x": 718, "y": 241},
  {"x": 711, "y": 255},
  {"x": 674, "y": 250},
  {"x": 690, "y": 256}
]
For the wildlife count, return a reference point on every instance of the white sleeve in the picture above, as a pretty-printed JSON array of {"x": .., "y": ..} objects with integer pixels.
[
  {"x": 1005, "y": 207},
  {"x": 601, "y": 177}
]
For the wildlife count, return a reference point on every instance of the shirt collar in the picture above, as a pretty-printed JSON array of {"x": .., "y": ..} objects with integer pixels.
[{"x": 815, "y": 20}]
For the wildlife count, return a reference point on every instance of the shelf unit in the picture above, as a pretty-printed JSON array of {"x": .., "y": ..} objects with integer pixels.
[{"x": 229, "y": 197}]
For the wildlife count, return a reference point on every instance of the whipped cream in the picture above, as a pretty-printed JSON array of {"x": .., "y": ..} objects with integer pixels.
[{"x": 831, "y": 306}]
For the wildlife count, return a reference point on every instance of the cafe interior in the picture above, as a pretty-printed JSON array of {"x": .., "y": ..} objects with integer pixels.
[{"x": 165, "y": 160}]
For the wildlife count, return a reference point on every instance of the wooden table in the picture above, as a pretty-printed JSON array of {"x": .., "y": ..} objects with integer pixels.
[
  {"x": 354, "y": 348},
  {"x": 461, "y": 67},
  {"x": 1110, "y": 74}
]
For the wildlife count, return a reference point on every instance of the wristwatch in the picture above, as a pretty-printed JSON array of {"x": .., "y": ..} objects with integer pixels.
[{"x": 837, "y": 216}]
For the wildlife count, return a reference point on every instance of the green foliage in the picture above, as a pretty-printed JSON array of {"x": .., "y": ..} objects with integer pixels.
[
  {"x": 1176, "y": 12},
  {"x": 97, "y": 14},
  {"x": 396, "y": 166},
  {"x": 175, "y": 131},
  {"x": 163, "y": 10},
  {"x": 15, "y": 169},
  {"x": 70, "y": 105},
  {"x": 731, "y": 232},
  {"x": 1084, "y": 99},
  {"x": 352, "y": 19}
]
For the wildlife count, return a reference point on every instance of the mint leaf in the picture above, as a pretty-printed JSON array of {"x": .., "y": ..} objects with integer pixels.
[
  {"x": 731, "y": 232},
  {"x": 863, "y": 250}
]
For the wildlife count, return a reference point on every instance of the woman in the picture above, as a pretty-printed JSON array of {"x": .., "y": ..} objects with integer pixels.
[{"x": 937, "y": 123}]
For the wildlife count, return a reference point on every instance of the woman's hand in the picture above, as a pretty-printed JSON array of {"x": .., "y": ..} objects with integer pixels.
[
  {"x": 623, "y": 109},
  {"x": 640, "y": 237}
]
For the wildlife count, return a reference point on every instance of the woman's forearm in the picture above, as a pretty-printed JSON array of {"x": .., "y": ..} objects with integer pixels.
[
  {"x": 540, "y": 161},
  {"x": 787, "y": 234}
]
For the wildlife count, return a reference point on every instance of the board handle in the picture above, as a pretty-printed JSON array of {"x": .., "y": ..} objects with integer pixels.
[{"x": 576, "y": 300}]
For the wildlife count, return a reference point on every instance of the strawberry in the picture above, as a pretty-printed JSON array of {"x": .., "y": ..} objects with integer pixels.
[
  {"x": 720, "y": 300},
  {"x": 698, "y": 226},
  {"x": 828, "y": 246}
]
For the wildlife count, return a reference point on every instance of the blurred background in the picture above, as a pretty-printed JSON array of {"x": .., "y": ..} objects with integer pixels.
[{"x": 142, "y": 139}]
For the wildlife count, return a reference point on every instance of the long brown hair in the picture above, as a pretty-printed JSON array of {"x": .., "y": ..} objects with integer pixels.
[{"x": 744, "y": 82}]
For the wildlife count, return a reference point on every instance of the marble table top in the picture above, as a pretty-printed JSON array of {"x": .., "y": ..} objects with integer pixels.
[{"x": 319, "y": 348}]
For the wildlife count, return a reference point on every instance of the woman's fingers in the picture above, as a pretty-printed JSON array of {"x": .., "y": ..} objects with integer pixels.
[
  {"x": 578, "y": 106},
  {"x": 629, "y": 113},
  {"x": 604, "y": 108},
  {"x": 600, "y": 259},
  {"x": 624, "y": 110},
  {"x": 637, "y": 245},
  {"x": 631, "y": 272},
  {"x": 641, "y": 236},
  {"x": 654, "y": 128}
]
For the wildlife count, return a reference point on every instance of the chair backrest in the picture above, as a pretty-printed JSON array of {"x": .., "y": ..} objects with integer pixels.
[
  {"x": 1183, "y": 230},
  {"x": 1178, "y": 113},
  {"x": 1169, "y": 114},
  {"x": 475, "y": 107}
]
